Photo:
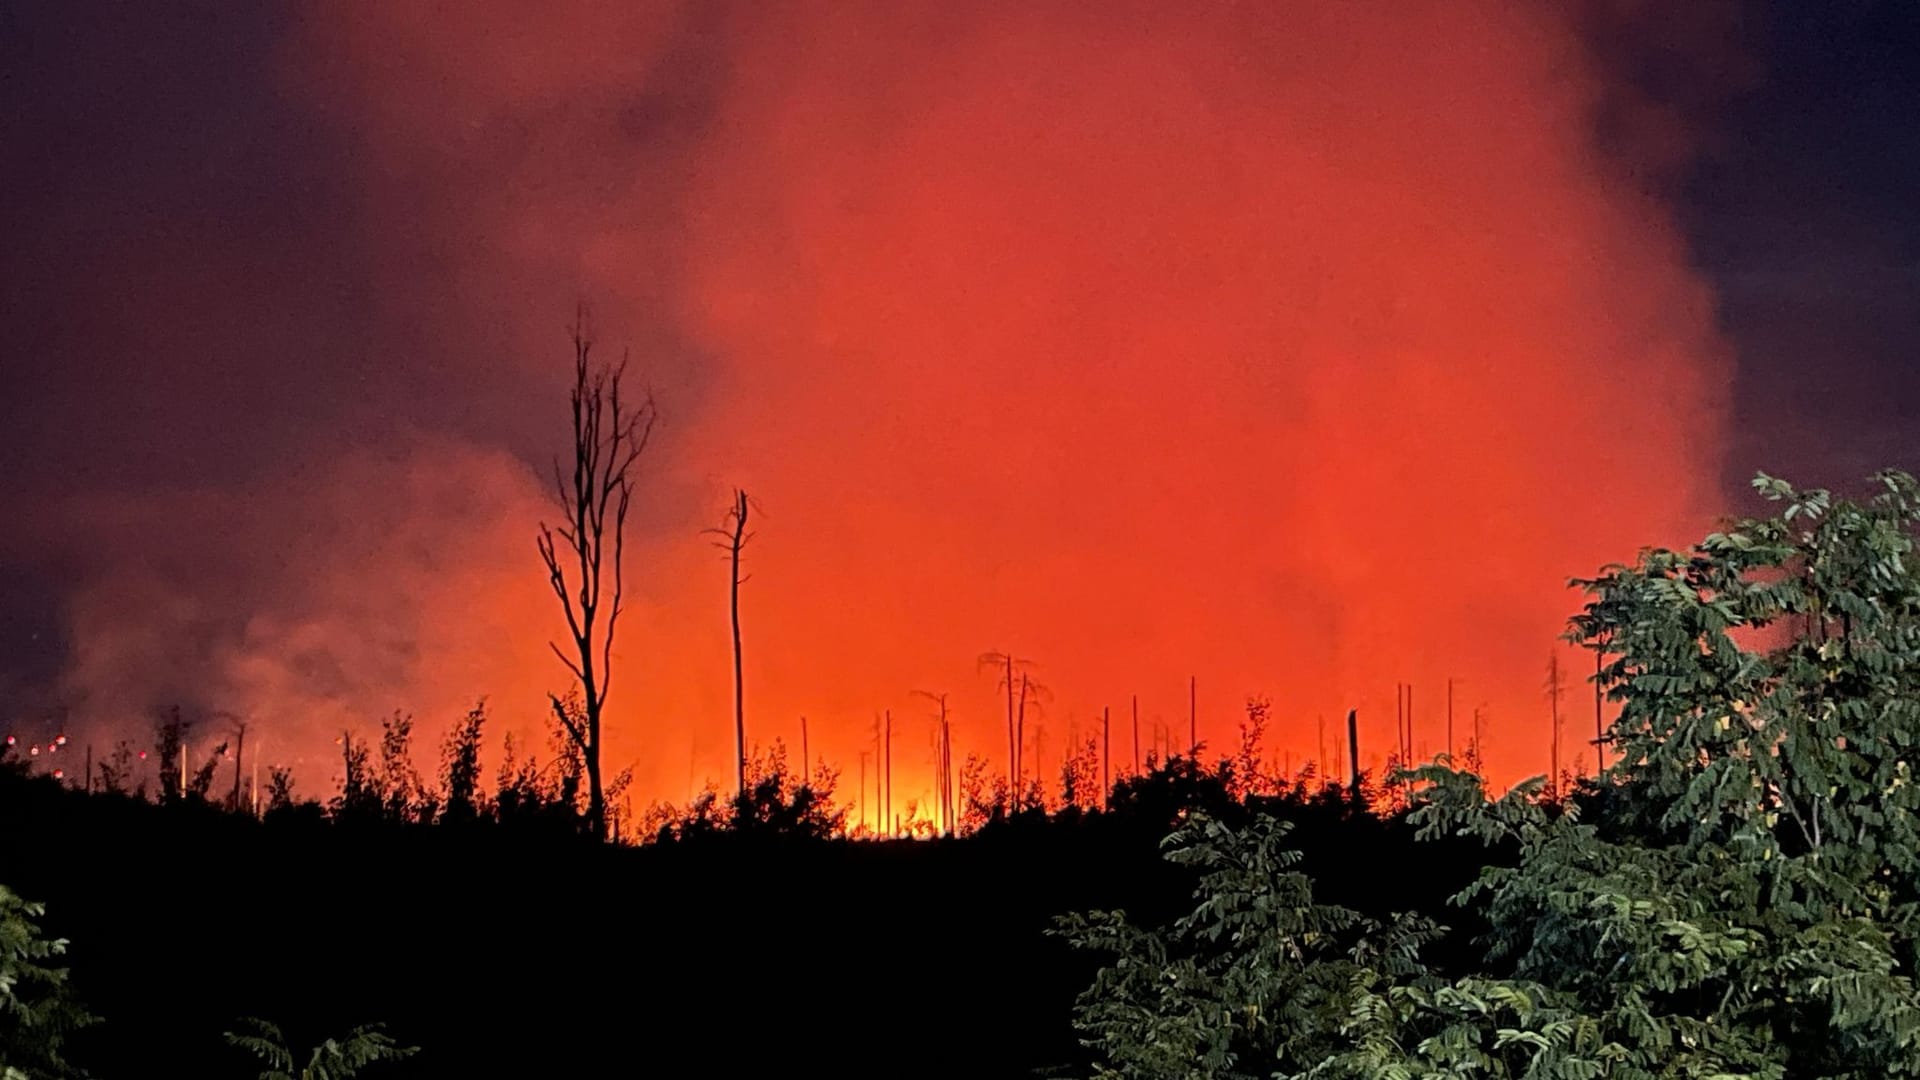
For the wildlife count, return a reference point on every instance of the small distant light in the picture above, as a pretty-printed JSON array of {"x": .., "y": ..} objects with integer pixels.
[
  {"x": 33, "y": 751},
  {"x": 143, "y": 755},
  {"x": 59, "y": 774},
  {"x": 61, "y": 741},
  {"x": 9, "y": 740}
]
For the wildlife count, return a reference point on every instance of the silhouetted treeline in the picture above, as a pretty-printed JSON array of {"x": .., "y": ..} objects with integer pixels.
[{"x": 482, "y": 923}]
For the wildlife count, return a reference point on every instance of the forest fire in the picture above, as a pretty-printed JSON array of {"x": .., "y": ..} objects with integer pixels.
[
  {"x": 1299, "y": 353},
  {"x": 875, "y": 536}
]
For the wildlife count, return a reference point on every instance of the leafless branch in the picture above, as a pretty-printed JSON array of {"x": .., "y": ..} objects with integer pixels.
[{"x": 610, "y": 432}]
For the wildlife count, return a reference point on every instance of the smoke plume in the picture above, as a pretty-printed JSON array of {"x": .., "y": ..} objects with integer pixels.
[{"x": 1302, "y": 350}]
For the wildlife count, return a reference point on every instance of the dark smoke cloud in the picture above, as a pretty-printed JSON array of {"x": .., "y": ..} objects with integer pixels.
[{"x": 243, "y": 331}]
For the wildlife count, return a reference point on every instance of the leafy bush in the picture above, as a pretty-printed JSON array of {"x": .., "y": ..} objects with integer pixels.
[
  {"x": 1736, "y": 896},
  {"x": 37, "y": 1007},
  {"x": 333, "y": 1059}
]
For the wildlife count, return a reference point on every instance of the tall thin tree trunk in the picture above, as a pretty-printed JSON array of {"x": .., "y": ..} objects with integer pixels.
[
  {"x": 1449, "y": 719},
  {"x": 806, "y": 756},
  {"x": 1599, "y": 726},
  {"x": 739, "y": 681},
  {"x": 1553, "y": 696},
  {"x": 1020, "y": 742},
  {"x": 1039, "y": 764},
  {"x": 1353, "y": 747},
  {"x": 239, "y": 753},
  {"x": 1400, "y": 718},
  {"x": 1193, "y": 717},
  {"x": 1013, "y": 735},
  {"x": 887, "y": 768},
  {"x": 1106, "y": 755},
  {"x": 1136, "y": 734},
  {"x": 596, "y": 795}
]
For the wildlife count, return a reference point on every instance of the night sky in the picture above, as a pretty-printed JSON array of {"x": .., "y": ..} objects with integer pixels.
[{"x": 247, "y": 243}]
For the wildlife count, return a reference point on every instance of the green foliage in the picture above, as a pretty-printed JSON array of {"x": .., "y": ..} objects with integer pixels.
[
  {"x": 37, "y": 1007},
  {"x": 1735, "y": 897},
  {"x": 1255, "y": 981},
  {"x": 333, "y": 1059}
]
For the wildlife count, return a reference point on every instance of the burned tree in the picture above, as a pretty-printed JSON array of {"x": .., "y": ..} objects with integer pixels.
[
  {"x": 733, "y": 540},
  {"x": 943, "y": 762},
  {"x": 584, "y": 551},
  {"x": 1011, "y": 684},
  {"x": 239, "y": 757}
]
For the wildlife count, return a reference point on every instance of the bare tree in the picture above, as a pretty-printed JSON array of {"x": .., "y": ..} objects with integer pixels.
[
  {"x": 609, "y": 434},
  {"x": 239, "y": 756},
  {"x": 1008, "y": 663},
  {"x": 1555, "y": 686},
  {"x": 943, "y": 761},
  {"x": 734, "y": 537}
]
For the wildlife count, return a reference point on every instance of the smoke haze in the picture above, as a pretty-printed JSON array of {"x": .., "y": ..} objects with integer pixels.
[{"x": 1300, "y": 349}]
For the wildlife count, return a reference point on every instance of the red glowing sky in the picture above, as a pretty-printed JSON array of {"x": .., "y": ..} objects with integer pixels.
[{"x": 1300, "y": 349}]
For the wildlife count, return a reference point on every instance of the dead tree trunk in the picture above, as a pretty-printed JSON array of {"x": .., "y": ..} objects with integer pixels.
[
  {"x": 734, "y": 537},
  {"x": 1353, "y": 748},
  {"x": 1007, "y": 664},
  {"x": 239, "y": 755},
  {"x": 1136, "y": 734},
  {"x": 586, "y": 549},
  {"x": 1553, "y": 698},
  {"x": 1193, "y": 717},
  {"x": 1400, "y": 720},
  {"x": 1020, "y": 742},
  {"x": 1413, "y": 748},
  {"x": 1599, "y": 725},
  {"x": 1106, "y": 754},
  {"x": 942, "y": 764},
  {"x": 1013, "y": 735},
  {"x": 864, "y": 754}
]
